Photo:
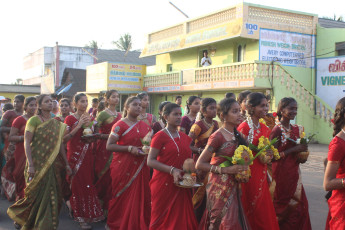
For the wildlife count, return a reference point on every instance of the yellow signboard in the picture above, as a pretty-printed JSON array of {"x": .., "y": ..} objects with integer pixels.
[{"x": 127, "y": 77}]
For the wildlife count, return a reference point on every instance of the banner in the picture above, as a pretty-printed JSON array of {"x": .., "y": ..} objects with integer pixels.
[
  {"x": 330, "y": 79},
  {"x": 287, "y": 48}
]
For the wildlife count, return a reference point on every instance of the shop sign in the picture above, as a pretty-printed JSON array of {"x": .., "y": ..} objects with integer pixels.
[
  {"x": 330, "y": 79},
  {"x": 287, "y": 48}
]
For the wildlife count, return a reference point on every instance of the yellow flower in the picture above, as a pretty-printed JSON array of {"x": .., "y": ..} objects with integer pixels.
[
  {"x": 261, "y": 120},
  {"x": 263, "y": 141},
  {"x": 242, "y": 152},
  {"x": 275, "y": 153},
  {"x": 302, "y": 135}
]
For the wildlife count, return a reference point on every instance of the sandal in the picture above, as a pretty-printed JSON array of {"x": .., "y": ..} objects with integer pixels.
[{"x": 84, "y": 225}]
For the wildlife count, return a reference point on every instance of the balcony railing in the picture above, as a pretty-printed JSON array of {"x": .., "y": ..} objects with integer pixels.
[{"x": 241, "y": 71}]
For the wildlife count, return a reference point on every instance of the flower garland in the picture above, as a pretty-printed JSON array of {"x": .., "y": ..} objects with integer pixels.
[
  {"x": 284, "y": 134},
  {"x": 251, "y": 129},
  {"x": 240, "y": 156}
]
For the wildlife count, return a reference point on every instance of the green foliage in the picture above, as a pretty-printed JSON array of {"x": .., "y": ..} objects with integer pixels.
[{"x": 124, "y": 43}]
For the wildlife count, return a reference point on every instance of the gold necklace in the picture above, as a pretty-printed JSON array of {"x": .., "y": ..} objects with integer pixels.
[{"x": 206, "y": 123}]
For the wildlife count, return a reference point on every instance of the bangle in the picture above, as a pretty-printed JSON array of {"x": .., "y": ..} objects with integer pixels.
[
  {"x": 211, "y": 168},
  {"x": 220, "y": 170},
  {"x": 130, "y": 148},
  {"x": 171, "y": 170},
  {"x": 343, "y": 182}
]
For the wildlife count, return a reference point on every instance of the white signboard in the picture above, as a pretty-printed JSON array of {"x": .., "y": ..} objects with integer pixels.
[
  {"x": 330, "y": 79},
  {"x": 288, "y": 48}
]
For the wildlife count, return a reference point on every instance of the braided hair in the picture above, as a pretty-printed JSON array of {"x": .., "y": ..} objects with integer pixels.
[{"x": 339, "y": 121}]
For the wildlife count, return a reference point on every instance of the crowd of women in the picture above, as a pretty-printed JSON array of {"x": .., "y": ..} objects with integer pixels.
[{"x": 94, "y": 161}]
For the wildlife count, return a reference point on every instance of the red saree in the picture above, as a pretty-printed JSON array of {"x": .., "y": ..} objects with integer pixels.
[
  {"x": 130, "y": 205},
  {"x": 19, "y": 158},
  {"x": 224, "y": 208},
  {"x": 336, "y": 203},
  {"x": 290, "y": 201},
  {"x": 7, "y": 179},
  {"x": 84, "y": 200},
  {"x": 103, "y": 158},
  {"x": 171, "y": 205},
  {"x": 256, "y": 198}
]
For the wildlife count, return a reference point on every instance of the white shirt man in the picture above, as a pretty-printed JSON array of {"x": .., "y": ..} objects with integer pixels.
[{"x": 206, "y": 61}]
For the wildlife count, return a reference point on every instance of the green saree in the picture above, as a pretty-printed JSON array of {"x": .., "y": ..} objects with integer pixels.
[{"x": 39, "y": 209}]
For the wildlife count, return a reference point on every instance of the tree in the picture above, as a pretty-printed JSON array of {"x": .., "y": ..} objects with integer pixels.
[
  {"x": 124, "y": 43},
  {"x": 335, "y": 18},
  {"x": 93, "y": 45}
]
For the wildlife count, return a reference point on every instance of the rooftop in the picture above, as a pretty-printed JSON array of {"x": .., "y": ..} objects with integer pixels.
[{"x": 8, "y": 88}]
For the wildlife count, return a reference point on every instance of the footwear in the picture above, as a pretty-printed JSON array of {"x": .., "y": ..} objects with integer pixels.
[
  {"x": 106, "y": 227},
  {"x": 17, "y": 226},
  {"x": 84, "y": 225}
]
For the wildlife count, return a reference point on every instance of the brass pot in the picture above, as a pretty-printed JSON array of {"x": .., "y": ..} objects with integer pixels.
[{"x": 302, "y": 157}]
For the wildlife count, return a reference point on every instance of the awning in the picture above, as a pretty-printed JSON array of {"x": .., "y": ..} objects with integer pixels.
[{"x": 64, "y": 89}]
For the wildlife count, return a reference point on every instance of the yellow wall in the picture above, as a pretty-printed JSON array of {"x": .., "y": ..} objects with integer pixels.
[
  {"x": 12, "y": 95},
  {"x": 226, "y": 52}
]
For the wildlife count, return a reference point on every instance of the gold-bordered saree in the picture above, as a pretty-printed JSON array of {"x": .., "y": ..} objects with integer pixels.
[{"x": 39, "y": 209}]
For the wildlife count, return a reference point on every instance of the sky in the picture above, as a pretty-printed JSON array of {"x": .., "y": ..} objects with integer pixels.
[{"x": 27, "y": 26}]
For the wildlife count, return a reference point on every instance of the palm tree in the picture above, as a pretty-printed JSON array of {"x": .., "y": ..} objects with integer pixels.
[
  {"x": 93, "y": 45},
  {"x": 124, "y": 43}
]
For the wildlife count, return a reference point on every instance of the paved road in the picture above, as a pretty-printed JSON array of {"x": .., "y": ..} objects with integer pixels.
[{"x": 312, "y": 173}]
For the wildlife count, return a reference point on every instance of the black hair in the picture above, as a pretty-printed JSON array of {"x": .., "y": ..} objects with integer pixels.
[
  {"x": 338, "y": 119},
  {"x": 230, "y": 95},
  {"x": 7, "y": 106},
  {"x": 28, "y": 100},
  {"x": 177, "y": 97},
  {"x": 68, "y": 101},
  {"x": 127, "y": 103},
  {"x": 283, "y": 103},
  {"x": 78, "y": 96},
  {"x": 243, "y": 95},
  {"x": 190, "y": 101},
  {"x": 169, "y": 108},
  {"x": 94, "y": 100},
  {"x": 161, "y": 107},
  {"x": 20, "y": 97},
  {"x": 204, "y": 103},
  {"x": 142, "y": 95},
  {"x": 39, "y": 102},
  {"x": 254, "y": 99},
  {"x": 108, "y": 95},
  {"x": 223, "y": 107},
  {"x": 101, "y": 106}
]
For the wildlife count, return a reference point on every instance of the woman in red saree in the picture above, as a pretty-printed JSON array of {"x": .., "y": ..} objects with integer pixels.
[
  {"x": 145, "y": 102},
  {"x": 223, "y": 209},
  {"x": 171, "y": 205},
  {"x": 83, "y": 201},
  {"x": 105, "y": 121},
  {"x": 17, "y": 136},
  {"x": 256, "y": 197},
  {"x": 193, "y": 108},
  {"x": 7, "y": 179},
  {"x": 130, "y": 204},
  {"x": 335, "y": 171},
  {"x": 200, "y": 132},
  {"x": 290, "y": 201}
]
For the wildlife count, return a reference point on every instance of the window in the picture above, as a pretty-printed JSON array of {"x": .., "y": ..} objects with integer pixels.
[
  {"x": 241, "y": 51},
  {"x": 169, "y": 67}
]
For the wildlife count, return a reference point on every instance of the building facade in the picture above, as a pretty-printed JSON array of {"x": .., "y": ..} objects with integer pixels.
[{"x": 253, "y": 47}]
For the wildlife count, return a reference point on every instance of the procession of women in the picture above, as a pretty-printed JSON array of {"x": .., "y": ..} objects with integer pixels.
[{"x": 228, "y": 164}]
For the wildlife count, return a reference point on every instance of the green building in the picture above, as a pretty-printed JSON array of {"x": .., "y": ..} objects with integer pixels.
[{"x": 253, "y": 47}]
